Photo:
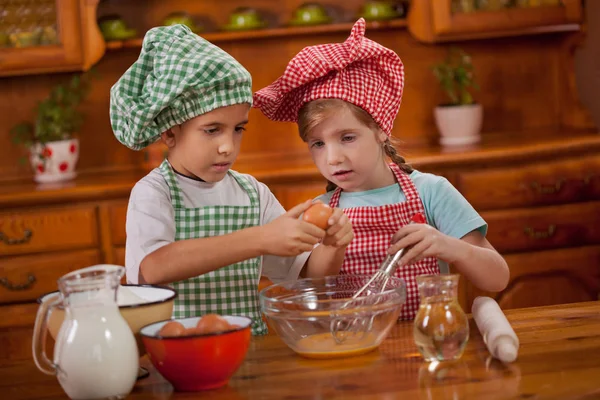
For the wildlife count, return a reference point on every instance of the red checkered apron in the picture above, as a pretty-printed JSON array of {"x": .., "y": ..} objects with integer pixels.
[{"x": 373, "y": 230}]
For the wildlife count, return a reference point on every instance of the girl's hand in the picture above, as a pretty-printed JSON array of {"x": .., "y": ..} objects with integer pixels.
[
  {"x": 420, "y": 241},
  {"x": 288, "y": 235},
  {"x": 339, "y": 233}
]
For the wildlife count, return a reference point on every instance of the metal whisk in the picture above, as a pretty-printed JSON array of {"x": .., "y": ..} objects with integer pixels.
[{"x": 341, "y": 329}]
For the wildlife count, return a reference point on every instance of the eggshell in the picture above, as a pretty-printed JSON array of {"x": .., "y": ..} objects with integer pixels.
[
  {"x": 318, "y": 214},
  {"x": 211, "y": 323},
  {"x": 172, "y": 329}
]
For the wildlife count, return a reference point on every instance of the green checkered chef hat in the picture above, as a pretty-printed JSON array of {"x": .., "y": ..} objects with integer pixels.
[{"x": 178, "y": 76}]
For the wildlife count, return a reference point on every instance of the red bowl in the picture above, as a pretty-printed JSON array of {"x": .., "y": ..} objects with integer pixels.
[{"x": 198, "y": 362}]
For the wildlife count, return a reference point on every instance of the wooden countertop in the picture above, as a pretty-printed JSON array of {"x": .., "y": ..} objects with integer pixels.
[
  {"x": 559, "y": 358},
  {"x": 495, "y": 149}
]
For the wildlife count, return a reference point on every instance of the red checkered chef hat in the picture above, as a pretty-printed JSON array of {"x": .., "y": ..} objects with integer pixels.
[{"x": 359, "y": 71}]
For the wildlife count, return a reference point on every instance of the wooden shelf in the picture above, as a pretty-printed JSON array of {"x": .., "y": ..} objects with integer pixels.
[{"x": 219, "y": 37}]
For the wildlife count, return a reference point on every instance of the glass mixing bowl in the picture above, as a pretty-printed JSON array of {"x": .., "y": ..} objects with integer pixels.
[{"x": 306, "y": 313}]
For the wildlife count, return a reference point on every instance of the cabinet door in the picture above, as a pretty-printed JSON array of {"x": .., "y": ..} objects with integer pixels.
[
  {"x": 456, "y": 17},
  {"x": 49, "y": 36},
  {"x": 549, "y": 277},
  {"x": 119, "y": 255},
  {"x": 118, "y": 217},
  {"x": 444, "y": 20}
]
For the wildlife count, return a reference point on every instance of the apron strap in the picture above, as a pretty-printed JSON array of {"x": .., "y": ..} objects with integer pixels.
[
  {"x": 247, "y": 186},
  {"x": 406, "y": 185},
  {"x": 177, "y": 196},
  {"x": 171, "y": 179}
]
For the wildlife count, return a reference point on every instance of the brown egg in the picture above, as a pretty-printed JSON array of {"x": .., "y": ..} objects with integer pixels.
[
  {"x": 192, "y": 331},
  {"x": 318, "y": 214},
  {"x": 212, "y": 323},
  {"x": 172, "y": 329}
]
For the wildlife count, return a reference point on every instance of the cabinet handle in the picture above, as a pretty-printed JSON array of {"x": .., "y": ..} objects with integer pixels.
[
  {"x": 541, "y": 188},
  {"x": 16, "y": 287},
  {"x": 11, "y": 242},
  {"x": 543, "y": 234}
]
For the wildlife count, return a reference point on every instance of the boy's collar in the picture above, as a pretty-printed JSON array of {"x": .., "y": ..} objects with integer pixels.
[{"x": 195, "y": 178}]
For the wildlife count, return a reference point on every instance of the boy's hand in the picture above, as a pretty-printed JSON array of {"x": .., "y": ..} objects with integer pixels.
[
  {"x": 288, "y": 235},
  {"x": 339, "y": 233},
  {"x": 421, "y": 241}
]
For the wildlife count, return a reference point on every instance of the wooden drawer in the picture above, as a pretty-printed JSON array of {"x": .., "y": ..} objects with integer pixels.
[
  {"x": 556, "y": 182},
  {"x": 545, "y": 227},
  {"x": 48, "y": 229},
  {"x": 25, "y": 278},
  {"x": 549, "y": 277},
  {"x": 118, "y": 217}
]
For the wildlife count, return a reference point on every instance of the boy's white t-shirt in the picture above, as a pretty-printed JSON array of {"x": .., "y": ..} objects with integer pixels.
[{"x": 151, "y": 220}]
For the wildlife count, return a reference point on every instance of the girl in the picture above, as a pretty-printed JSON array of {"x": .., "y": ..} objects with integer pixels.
[
  {"x": 195, "y": 223},
  {"x": 345, "y": 98}
]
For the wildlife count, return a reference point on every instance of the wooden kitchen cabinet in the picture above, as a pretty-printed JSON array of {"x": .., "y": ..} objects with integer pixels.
[
  {"x": 544, "y": 218},
  {"x": 119, "y": 255},
  {"x": 533, "y": 184},
  {"x": 118, "y": 215},
  {"x": 447, "y": 20},
  {"x": 49, "y": 36},
  {"x": 549, "y": 277},
  {"x": 541, "y": 228}
]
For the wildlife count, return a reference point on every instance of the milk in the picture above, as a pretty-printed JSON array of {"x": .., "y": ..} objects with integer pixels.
[{"x": 96, "y": 353}]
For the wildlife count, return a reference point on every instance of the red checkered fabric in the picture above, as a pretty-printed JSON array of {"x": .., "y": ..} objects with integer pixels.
[
  {"x": 373, "y": 230},
  {"x": 359, "y": 71}
]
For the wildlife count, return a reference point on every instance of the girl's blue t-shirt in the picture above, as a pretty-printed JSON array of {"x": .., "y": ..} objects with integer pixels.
[{"x": 445, "y": 208}]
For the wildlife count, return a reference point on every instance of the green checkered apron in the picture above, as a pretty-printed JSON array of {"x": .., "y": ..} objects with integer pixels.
[{"x": 231, "y": 290}]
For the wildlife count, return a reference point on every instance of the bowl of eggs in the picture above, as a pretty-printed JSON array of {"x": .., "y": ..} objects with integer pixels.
[
  {"x": 139, "y": 305},
  {"x": 198, "y": 353},
  {"x": 313, "y": 315}
]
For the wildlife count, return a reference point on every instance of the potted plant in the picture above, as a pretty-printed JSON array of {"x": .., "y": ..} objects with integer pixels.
[
  {"x": 50, "y": 139},
  {"x": 459, "y": 121}
]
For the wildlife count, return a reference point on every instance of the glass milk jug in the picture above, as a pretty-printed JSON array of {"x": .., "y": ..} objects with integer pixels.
[
  {"x": 95, "y": 355},
  {"x": 441, "y": 327}
]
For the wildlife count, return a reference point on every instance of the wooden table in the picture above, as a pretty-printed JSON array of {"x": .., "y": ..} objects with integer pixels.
[{"x": 559, "y": 358}]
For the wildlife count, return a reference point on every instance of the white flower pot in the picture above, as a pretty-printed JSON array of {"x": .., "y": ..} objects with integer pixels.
[
  {"x": 459, "y": 125},
  {"x": 54, "y": 161}
]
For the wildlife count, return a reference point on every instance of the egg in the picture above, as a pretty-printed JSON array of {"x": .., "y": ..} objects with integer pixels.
[
  {"x": 318, "y": 214},
  {"x": 212, "y": 323},
  {"x": 172, "y": 329},
  {"x": 192, "y": 331}
]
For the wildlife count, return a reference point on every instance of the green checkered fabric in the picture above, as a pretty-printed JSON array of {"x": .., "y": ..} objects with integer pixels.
[
  {"x": 231, "y": 290},
  {"x": 178, "y": 76}
]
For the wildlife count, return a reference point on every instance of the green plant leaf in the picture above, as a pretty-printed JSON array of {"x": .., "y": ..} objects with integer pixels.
[
  {"x": 455, "y": 76},
  {"x": 57, "y": 116}
]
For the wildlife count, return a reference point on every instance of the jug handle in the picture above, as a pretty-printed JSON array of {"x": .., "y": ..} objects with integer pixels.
[{"x": 40, "y": 332}]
